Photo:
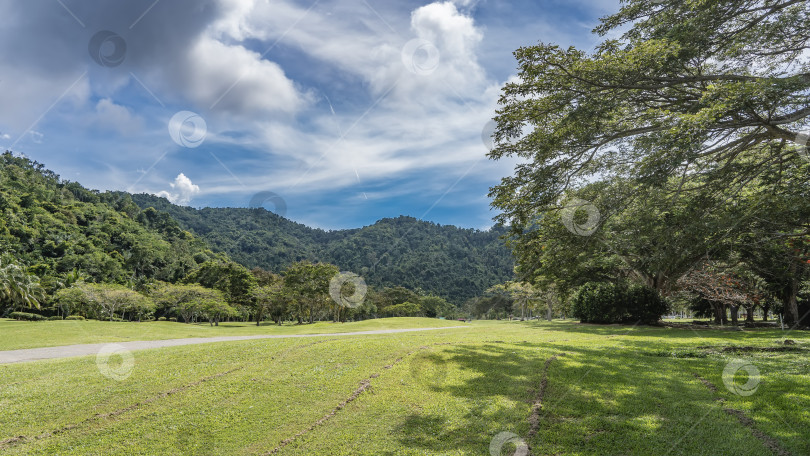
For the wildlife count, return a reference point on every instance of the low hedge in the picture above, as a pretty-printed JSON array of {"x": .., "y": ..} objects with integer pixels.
[
  {"x": 54, "y": 318},
  {"x": 606, "y": 302},
  {"x": 26, "y": 316},
  {"x": 74, "y": 317}
]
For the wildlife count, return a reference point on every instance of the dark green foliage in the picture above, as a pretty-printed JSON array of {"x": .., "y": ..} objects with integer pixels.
[
  {"x": 434, "y": 306},
  {"x": 232, "y": 279},
  {"x": 606, "y": 302},
  {"x": 26, "y": 316},
  {"x": 645, "y": 305},
  {"x": 59, "y": 230},
  {"x": 54, "y": 318},
  {"x": 405, "y": 309},
  {"x": 446, "y": 261},
  {"x": 598, "y": 302}
]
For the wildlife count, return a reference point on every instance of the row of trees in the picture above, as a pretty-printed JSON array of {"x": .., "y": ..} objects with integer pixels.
[
  {"x": 673, "y": 156},
  {"x": 220, "y": 290},
  {"x": 521, "y": 300}
]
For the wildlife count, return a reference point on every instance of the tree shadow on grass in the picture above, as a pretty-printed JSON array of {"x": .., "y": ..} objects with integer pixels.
[
  {"x": 598, "y": 401},
  {"x": 676, "y": 335},
  {"x": 495, "y": 373}
]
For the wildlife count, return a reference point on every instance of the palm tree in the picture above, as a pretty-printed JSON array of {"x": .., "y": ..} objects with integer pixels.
[{"x": 18, "y": 287}]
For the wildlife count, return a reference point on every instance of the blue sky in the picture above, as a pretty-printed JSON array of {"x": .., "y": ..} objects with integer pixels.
[{"x": 350, "y": 110}]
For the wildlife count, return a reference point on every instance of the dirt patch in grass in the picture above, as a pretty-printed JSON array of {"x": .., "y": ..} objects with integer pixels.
[
  {"x": 768, "y": 441},
  {"x": 24, "y": 439},
  {"x": 537, "y": 405},
  {"x": 710, "y": 386},
  {"x": 365, "y": 385}
]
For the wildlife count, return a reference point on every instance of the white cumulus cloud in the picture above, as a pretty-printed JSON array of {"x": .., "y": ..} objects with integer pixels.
[{"x": 183, "y": 190}]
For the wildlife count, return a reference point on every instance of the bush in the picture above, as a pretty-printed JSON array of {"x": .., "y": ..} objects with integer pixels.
[
  {"x": 603, "y": 302},
  {"x": 173, "y": 319},
  {"x": 54, "y": 318},
  {"x": 644, "y": 304},
  {"x": 162, "y": 319},
  {"x": 26, "y": 316},
  {"x": 74, "y": 317}
]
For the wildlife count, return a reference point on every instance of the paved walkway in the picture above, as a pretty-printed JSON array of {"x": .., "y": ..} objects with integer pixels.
[{"x": 67, "y": 351}]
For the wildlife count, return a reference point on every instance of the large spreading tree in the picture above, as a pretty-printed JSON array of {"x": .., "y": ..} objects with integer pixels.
[{"x": 698, "y": 102}]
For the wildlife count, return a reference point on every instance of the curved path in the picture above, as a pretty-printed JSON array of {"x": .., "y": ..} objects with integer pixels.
[{"x": 67, "y": 351}]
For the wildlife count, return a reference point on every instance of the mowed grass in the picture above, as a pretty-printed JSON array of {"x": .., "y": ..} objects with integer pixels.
[
  {"x": 611, "y": 390},
  {"x": 26, "y": 334}
]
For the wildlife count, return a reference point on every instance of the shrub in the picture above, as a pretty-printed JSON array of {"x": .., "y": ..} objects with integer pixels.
[
  {"x": 603, "y": 302},
  {"x": 54, "y": 318},
  {"x": 74, "y": 317},
  {"x": 598, "y": 302},
  {"x": 173, "y": 319},
  {"x": 26, "y": 316},
  {"x": 162, "y": 319},
  {"x": 644, "y": 304}
]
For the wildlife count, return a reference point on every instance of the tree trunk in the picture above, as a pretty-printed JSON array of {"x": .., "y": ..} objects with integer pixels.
[
  {"x": 735, "y": 312},
  {"x": 791, "y": 304},
  {"x": 720, "y": 317},
  {"x": 749, "y": 314}
]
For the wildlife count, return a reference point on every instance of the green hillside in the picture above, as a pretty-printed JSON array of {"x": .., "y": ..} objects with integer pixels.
[
  {"x": 56, "y": 228},
  {"x": 448, "y": 261}
]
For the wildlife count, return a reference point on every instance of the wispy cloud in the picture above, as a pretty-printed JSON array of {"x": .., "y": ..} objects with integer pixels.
[{"x": 310, "y": 99}]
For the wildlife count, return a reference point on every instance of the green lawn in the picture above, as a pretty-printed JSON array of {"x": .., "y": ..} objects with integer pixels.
[
  {"x": 612, "y": 390},
  {"x": 25, "y": 334}
]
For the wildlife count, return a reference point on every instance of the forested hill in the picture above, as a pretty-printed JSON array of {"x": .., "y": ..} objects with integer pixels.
[
  {"x": 63, "y": 232},
  {"x": 445, "y": 260}
]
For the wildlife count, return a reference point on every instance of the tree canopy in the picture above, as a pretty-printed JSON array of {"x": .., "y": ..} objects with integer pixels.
[{"x": 680, "y": 140}]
